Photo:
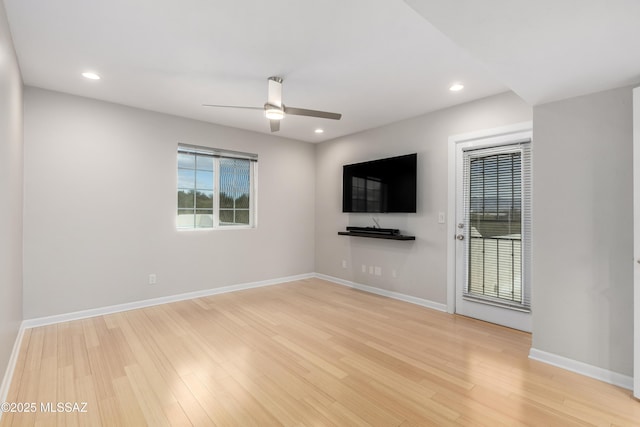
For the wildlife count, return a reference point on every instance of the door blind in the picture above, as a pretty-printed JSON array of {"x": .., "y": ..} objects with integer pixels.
[{"x": 497, "y": 225}]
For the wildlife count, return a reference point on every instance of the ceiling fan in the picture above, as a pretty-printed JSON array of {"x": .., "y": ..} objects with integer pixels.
[{"x": 275, "y": 110}]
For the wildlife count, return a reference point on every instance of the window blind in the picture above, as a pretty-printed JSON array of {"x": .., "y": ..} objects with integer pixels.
[{"x": 216, "y": 152}]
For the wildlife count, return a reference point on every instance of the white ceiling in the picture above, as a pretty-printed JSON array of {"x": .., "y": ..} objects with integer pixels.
[
  {"x": 545, "y": 50},
  {"x": 374, "y": 61}
]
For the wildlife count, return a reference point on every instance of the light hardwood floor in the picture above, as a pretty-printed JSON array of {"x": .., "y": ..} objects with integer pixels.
[{"x": 302, "y": 353}]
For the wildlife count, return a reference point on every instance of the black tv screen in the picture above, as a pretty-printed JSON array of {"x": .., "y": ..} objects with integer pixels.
[{"x": 385, "y": 185}]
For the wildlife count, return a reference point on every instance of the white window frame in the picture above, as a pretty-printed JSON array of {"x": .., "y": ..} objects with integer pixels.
[{"x": 218, "y": 154}]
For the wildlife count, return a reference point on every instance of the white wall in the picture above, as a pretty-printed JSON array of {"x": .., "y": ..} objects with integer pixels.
[
  {"x": 583, "y": 229},
  {"x": 11, "y": 194},
  {"x": 421, "y": 265},
  {"x": 100, "y": 191}
]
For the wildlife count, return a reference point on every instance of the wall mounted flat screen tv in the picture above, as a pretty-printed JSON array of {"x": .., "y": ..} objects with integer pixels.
[{"x": 385, "y": 185}]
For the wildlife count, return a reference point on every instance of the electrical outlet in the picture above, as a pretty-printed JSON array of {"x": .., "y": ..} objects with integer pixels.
[
  {"x": 153, "y": 279},
  {"x": 440, "y": 217},
  {"x": 378, "y": 271},
  {"x": 371, "y": 269}
]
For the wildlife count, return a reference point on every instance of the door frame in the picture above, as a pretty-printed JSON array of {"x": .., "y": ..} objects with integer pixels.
[
  {"x": 636, "y": 241},
  {"x": 494, "y": 136}
]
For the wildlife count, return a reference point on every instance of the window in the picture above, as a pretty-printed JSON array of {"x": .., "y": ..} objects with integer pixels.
[{"x": 216, "y": 188}]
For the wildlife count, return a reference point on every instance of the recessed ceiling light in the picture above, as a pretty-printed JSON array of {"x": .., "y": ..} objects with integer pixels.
[
  {"x": 90, "y": 76},
  {"x": 456, "y": 87},
  {"x": 319, "y": 130}
]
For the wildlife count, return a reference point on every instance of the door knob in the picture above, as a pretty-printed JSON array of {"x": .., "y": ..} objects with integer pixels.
[{"x": 460, "y": 236}]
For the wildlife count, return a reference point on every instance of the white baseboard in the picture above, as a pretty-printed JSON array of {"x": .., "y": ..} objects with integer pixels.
[
  {"x": 13, "y": 360},
  {"x": 390, "y": 294},
  {"x": 84, "y": 314},
  {"x": 581, "y": 368}
]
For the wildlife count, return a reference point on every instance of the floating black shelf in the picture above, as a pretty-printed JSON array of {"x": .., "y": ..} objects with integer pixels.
[{"x": 376, "y": 235}]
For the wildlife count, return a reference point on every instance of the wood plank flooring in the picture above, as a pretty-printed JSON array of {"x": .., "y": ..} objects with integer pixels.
[{"x": 306, "y": 353}]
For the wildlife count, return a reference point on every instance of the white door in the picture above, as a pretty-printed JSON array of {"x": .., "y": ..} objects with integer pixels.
[
  {"x": 636, "y": 239},
  {"x": 492, "y": 226}
]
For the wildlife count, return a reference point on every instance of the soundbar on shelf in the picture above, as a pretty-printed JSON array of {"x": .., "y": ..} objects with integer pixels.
[
  {"x": 376, "y": 233},
  {"x": 390, "y": 231}
]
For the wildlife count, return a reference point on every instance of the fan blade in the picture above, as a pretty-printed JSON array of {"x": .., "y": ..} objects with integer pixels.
[
  {"x": 275, "y": 125},
  {"x": 233, "y": 106},
  {"x": 275, "y": 91},
  {"x": 311, "y": 113}
]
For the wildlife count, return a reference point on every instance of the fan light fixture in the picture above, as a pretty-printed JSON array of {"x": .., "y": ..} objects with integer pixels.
[
  {"x": 274, "y": 109},
  {"x": 274, "y": 114}
]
